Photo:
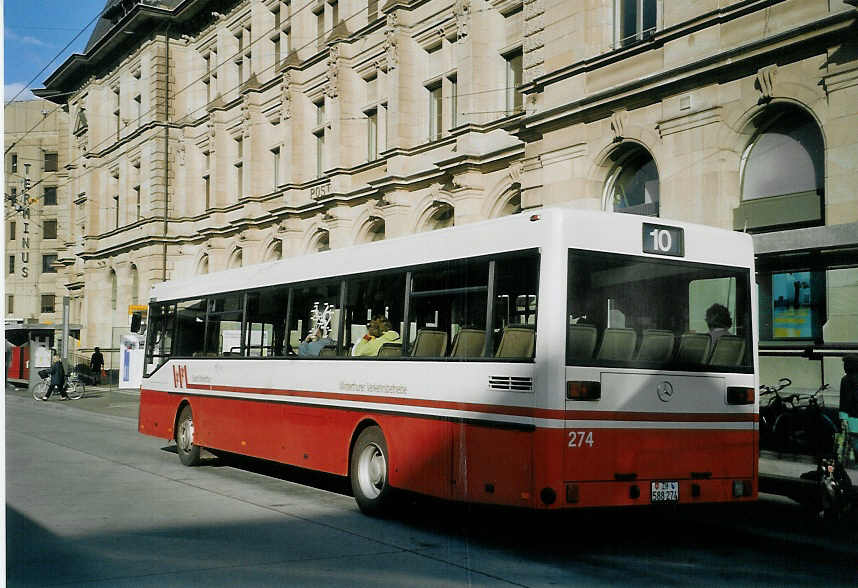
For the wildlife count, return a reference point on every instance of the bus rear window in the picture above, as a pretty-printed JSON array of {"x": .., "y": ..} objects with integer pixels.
[{"x": 638, "y": 312}]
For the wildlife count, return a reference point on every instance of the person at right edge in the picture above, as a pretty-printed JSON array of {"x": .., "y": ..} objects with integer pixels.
[
  {"x": 848, "y": 411},
  {"x": 58, "y": 377}
]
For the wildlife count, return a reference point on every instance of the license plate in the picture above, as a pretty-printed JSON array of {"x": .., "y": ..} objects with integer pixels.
[{"x": 664, "y": 492}]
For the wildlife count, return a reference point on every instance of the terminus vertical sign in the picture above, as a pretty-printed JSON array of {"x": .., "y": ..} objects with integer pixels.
[{"x": 25, "y": 243}]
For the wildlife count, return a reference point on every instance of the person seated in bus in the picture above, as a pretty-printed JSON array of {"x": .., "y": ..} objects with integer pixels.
[
  {"x": 373, "y": 330},
  {"x": 719, "y": 321},
  {"x": 313, "y": 343},
  {"x": 386, "y": 334}
]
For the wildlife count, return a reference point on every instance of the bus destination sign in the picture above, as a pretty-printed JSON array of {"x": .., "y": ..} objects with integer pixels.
[{"x": 663, "y": 240}]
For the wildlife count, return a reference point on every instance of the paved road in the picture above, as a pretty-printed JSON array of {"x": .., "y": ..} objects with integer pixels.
[{"x": 91, "y": 502}]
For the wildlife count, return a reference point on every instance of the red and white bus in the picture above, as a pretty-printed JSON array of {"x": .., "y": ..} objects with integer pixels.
[{"x": 550, "y": 360}]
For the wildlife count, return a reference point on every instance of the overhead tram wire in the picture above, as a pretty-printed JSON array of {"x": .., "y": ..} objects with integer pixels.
[
  {"x": 41, "y": 71},
  {"x": 111, "y": 139},
  {"x": 314, "y": 40}
]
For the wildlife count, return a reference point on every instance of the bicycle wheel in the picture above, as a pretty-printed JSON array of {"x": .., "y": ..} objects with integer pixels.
[
  {"x": 75, "y": 389},
  {"x": 40, "y": 389}
]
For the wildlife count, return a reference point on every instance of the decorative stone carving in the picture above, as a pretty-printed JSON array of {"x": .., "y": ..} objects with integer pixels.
[
  {"x": 245, "y": 118},
  {"x": 332, "y": 89},
  {"x": 766, "y": 82},
  {"x": 618, "y": 123},
  {"x": 180, "y": 151},
  {"x": 462, "y": 13},
  {"x": 390, "y": 50},
  {"x": 286, "y": 95},
  {"x": 515, "y": 172}
]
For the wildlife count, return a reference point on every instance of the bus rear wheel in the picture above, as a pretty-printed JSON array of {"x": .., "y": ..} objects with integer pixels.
[
  {"x": 189, "y": 453},
  {"x": 369, "y": 472}
]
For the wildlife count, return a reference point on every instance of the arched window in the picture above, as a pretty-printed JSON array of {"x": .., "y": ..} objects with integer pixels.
[
  {"x": 374, "y": 230},
  {"x": 442, "y": 217},
  {"x": 135, "y": 285},
  {"x": 236, "y": 259},
  {"x": 783, "y": 173},
  {"x": 203, "y": 265},
  {"x": 513, "y": 202},
  {"x": 633, "y": 184},
  {"x": 322, "y": 241},
  {"x": 275, "y": 251},
  {"x": 113, "y": 290},
  {"x": 785, "y": 157}
]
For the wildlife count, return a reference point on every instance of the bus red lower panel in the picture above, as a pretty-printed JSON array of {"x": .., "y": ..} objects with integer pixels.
[
  {"x": 611, "y": 454},
  {"x": 433, "y": 456}
]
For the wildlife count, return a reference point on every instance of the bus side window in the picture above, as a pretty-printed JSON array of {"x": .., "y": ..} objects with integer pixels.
[
  {"x": 369, "y": 296},
  {"x": 450, "y": 296},
  {"x": 515, "y": 309}
]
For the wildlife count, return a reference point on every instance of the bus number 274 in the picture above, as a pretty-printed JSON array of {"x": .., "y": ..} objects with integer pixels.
[{"x": 580, "y": 438}]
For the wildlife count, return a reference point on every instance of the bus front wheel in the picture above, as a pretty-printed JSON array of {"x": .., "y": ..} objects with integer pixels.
[
  {"x": 369, "y": 472},
  {"x": 189, "y": 453}
]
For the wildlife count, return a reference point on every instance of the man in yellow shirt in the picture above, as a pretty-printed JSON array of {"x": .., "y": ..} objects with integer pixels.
[{"x": 380, "y": 331}]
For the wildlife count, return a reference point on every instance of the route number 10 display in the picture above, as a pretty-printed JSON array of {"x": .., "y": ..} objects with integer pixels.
[{"x": 663, "y": 240}]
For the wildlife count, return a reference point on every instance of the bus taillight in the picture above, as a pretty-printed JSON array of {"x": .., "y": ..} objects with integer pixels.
[
  {"x": 740, "y": 395},
  {"x": 583, "y": 390}
]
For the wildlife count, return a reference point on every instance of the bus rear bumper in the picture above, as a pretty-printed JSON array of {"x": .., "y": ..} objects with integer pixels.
[{"x": 642, "y": 493}]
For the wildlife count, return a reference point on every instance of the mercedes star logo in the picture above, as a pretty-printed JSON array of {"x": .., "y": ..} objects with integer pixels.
[{"x": 664, "y": 391}]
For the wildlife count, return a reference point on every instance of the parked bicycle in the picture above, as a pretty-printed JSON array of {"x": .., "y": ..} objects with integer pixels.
[
  {"x": 74, "y": 388},
  {"x": 795, "y": 423}
]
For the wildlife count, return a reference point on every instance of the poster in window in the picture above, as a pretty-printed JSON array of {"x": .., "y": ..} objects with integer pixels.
[{"x": 792, "y": 308}]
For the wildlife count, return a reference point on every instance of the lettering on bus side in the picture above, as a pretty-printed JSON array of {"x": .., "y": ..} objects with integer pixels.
[{"x": 180, "y": 376}]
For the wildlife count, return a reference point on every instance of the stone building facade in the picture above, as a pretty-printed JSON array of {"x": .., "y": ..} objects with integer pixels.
[
  {"x": 229, "y": 133},
  {"x": 35, "y": 211}
]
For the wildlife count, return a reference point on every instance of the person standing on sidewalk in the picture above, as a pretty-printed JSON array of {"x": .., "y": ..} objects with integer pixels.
[
  {"x": 848, "y": 410},
  {"x": 58, "y": 377},
  {"x": 96, "y": 363}
]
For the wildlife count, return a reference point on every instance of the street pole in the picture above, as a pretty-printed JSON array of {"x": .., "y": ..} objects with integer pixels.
[{"x": 65, "y": 351}]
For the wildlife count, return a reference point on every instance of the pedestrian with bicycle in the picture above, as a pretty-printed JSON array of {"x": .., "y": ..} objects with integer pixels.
[{"x": 58, "y": 377}]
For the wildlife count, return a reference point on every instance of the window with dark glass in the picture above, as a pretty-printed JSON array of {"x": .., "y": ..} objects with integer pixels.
[
  {"x": 51, "y": 162},
  {"x": 265, "y": 323},
  {"x": 50, "y": 197},
  {"x": 626, "y": 311},
  {"x": 223, "y": 325},
  {"x": 48, "y": 262},
  {"x": 380, "y": 294},
  {"x": 159, "y": 335},
  {"x": 48, "y": 303},
  {"x": 314, "y": 306},
  {"x": 190, "y": 318},
  {"x": 49, "y": 229},
  {"x": 635, "y": 20}
]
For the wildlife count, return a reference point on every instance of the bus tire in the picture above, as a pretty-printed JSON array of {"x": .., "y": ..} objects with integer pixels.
[
  {"x": 189, "y": 453},
  {"x": 369, "y": 472}
]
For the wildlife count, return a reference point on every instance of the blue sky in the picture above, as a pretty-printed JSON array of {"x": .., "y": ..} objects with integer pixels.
[{"x": 35, "y": 31}]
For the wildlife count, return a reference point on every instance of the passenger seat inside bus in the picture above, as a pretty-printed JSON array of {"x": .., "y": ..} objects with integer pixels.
[
  {"x": 469, "y": 343},
  {"x": 729, "y": 351},
  {"x": 390, "y": 350},
  {"x": 656, "y": 345},
  {"x": 430, "y": 343},
  {"x": 617, "y": 344},
  {"x": 517, "y": 341},
  {"x": 693, "y": 348},
  {"x": 581, "y": 341}
]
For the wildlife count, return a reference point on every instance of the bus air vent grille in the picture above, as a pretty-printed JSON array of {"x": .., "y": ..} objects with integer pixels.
[{"x": 513, "y": 383}]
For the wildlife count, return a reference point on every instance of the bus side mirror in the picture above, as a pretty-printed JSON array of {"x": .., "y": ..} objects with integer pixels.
[{"x": 136, "y": 319}]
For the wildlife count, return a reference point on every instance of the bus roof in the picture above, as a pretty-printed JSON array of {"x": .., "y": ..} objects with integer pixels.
[{"x": 567, "y": 227}]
